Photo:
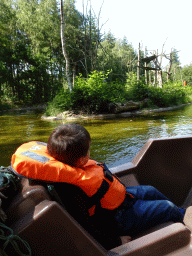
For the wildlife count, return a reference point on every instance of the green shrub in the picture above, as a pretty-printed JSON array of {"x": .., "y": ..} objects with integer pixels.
[
  {"x": 60, "y": 103},
  {"x": 136, "y": 90},
  {"x": 93, "y": 95},
  {"x": 171, "y": 94}
]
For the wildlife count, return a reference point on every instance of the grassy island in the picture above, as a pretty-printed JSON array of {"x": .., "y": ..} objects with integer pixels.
[{"x": 94, "y": 95}]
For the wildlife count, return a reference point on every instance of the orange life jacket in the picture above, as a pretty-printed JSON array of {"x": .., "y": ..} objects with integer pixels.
[{"x": 32, "y": 160}]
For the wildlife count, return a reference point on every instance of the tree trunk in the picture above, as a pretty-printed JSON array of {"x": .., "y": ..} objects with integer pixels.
[
  {"x": 138, "y": 64},
  {"x": 65, "y": 54},
  {"x": 155, "y": 79},
  {"x": 159, "y": 78},
  {"x": 74, "y": 73},
  {"x": 149, "y": 77},
  {"x": 146, "y": 80},
  {"x": 169, "y": 68}
]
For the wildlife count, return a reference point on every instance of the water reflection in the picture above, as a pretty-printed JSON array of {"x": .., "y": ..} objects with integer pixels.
[{"x": 113, "y": 141}]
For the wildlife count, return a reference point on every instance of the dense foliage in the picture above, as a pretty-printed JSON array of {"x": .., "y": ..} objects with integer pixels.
[
  {"x": 91, "y": 95},
  {"x": 32, "y": 66},
  {"x": 31, "y": 61},
  {"x": 94, "y": 95}
]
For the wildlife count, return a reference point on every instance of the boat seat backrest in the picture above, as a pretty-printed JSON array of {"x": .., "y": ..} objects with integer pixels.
[
  {"x": 27, "y": 199},
  {"x": 46, "y": 226},
  {"x": 51, "y": 230},
  {"x": 166, "y": 164}
]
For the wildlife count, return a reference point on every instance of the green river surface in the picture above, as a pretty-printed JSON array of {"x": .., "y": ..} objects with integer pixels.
[{"x": 114, "y": 142}]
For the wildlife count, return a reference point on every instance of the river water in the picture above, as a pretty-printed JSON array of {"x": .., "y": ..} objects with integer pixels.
[{"x": 113, "y": 141}]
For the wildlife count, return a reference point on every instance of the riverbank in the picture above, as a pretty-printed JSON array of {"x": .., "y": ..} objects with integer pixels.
[
  {"x": 27, "y": 108},
  {"x": 69, "y": 116}
]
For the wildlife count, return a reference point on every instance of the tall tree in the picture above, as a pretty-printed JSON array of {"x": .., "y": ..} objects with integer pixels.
[
  {"x": 174, "y": 65},
  {"x": 90, "y": 37},
  {"x": 10, "y": 41},
  {"x": 117, "y": 56},
  {"x": 39, "y": 22},
  {"x": 64, "y": 48},
  {"x": 80, "y": 39}
]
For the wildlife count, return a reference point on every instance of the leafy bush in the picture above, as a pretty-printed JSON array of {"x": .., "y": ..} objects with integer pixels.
[
  {"x": 93, "y": 95},
  {"x": 4, "y": 106},
  {"x": 61, "y": 102},
  {"x": 171, "y": 94},
  {"x": 136, "y": 90}
]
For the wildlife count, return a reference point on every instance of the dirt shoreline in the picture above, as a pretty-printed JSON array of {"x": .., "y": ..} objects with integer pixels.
[
  {"x": 24, "y": 108},
  {"x": 68, "y": 116}
]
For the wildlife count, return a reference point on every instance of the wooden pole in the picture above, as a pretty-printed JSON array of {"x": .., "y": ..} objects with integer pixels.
[
  {"x": 149, "y": 77},
  {"x": 156, "y": 68},
  {"x": 138, "y": 64},
  {"x": 146, "y": 66}
]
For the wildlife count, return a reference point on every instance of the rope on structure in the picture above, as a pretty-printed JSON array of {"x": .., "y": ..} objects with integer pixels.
[{"x": 11, "y": 244}]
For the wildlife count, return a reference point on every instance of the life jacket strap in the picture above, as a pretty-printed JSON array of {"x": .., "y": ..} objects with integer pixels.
[
  {"x": 110, "y": 176},
  {"x": 100, "y": 193},
  {"x": 107, "y": 173},
  {"x": 95, "y": 199}
]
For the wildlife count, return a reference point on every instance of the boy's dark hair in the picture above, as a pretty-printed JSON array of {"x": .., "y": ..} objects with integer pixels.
[{"x": 68, "y": 143}]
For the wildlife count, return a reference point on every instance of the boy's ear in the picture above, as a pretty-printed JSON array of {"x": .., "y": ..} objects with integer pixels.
[{"x": 82, "y": 161}]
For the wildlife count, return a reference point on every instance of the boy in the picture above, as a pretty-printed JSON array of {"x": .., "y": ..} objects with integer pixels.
[{"x": 91, "y": 193}]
